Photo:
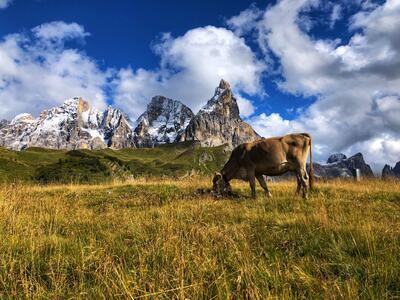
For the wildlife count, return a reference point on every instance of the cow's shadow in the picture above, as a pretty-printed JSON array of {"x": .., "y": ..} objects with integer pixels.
[{"x": 231, "y": 195}]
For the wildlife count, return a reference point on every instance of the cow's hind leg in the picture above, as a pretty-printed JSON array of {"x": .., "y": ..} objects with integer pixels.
[
  {"x": 299, "y": 185},
  {"x": 263, "y": 184},
  {"x": 252, "y": 181},
  {"x": 303, "y": 176}
]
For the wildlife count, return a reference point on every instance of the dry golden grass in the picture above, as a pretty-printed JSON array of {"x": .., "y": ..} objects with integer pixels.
[{"x": 152, "y": 239}]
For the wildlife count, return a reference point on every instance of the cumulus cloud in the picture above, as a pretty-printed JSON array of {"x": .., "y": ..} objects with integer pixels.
[
  {"x": 356, "y": 83},
  {"x": 5, "y": 3},
  {"x": 245, "y": 21},
  {"x": 37, "y": 71},
  {"x": 191, "y": 66},
  {"x": 59, "y": 31},
  {"x": 271, "y": 125}
]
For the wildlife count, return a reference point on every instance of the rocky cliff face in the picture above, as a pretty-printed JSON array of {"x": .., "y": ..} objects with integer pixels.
[
  {"x": 163, "y": 121},
  {"x": 116, "y": 129},
  {"x": 73, "y": 125},
  {"x": 219, "y": 122},
  {"x": 389, "y": 172}
]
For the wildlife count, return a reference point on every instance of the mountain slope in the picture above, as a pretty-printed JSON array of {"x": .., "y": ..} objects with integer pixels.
[{"x": 47, "y": 165}]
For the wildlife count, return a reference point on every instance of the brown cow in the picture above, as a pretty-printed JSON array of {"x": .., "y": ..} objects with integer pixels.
[{"x": 272, "y": 157}]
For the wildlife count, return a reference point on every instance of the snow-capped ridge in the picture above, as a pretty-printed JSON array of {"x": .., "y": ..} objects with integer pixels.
[
  {"x": 72, "y": 125},
  {"x": 24, "y": 117}
]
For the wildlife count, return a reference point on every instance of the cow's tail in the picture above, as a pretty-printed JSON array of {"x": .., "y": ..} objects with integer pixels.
[{"x": 311, "y": 172}]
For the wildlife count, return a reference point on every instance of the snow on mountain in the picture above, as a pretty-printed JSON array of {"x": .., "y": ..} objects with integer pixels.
[
  {"x": 336, "y": 157},
  {"x": 162, "y": 122},
  {"x": 73, "y": 125}
]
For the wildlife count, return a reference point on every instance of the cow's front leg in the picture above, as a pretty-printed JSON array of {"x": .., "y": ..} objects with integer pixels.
[
  {"x": 252, "y": 181},
  {"x": 263, "y": 184}
]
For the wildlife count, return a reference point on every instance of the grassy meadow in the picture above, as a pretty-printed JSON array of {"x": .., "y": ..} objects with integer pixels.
[{"x": 164, "y": 239}]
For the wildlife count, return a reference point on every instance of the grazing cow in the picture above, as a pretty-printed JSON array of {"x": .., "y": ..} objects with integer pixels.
[{"x": 272, "y": 157}]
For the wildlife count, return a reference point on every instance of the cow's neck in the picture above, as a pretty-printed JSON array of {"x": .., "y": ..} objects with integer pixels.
[{"x": 227, "y": 176}]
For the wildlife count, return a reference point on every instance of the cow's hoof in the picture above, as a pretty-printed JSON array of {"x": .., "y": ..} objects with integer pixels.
[{"x": 269, "y": 195}]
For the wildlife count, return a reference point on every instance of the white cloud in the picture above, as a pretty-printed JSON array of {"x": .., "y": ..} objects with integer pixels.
[
  {"x": 336, "y": 15},
  {"x": 59, "y": 31},
  {"x": 5, "y": 3},
  {"x": 357, "y": 84},
  {"x": 191, "y": 66},
  {"x": 271, "y": 125},
  {"x": 36, "y": 74},
  {"x": 245, "y": 21},
  {"x": 246, "y": 107}
]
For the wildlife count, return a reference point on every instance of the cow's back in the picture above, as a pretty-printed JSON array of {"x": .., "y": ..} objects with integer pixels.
[{"x": 265, "y": 153}]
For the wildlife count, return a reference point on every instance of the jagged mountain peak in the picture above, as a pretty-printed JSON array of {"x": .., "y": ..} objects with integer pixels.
[
  {"x": 223, "y": 103},
  {"x": 389, "y": 172},
  {"x": 224, "y": 84},
  {"x": 219, "y": 122}
]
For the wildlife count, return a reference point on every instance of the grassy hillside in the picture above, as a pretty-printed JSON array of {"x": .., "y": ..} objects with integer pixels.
[
  {"x": 163, "y": 240},
  {"x": 84, "y": 166}
]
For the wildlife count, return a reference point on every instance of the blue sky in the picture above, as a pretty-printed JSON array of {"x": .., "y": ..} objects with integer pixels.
[
  {"x": 122, "y": 33},
  {"x": 331, "y": 68}
]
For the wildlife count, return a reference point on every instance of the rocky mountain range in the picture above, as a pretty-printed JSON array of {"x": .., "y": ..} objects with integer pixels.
[
  {"x": 389, "y": 172},
  {"x": 76, "y": 125},
  {"x": 339, "y": 166},
  {"x": 73, "y": 125}
]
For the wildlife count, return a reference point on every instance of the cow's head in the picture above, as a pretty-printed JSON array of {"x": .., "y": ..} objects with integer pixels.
[{"x": 220, "y": 186}]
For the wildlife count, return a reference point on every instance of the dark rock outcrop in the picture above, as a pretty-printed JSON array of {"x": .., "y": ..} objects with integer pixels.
[
  {"x": 389, "y": 172},
  {"x": 4, "y": 123},
  {"x": 219, "y": 122}
]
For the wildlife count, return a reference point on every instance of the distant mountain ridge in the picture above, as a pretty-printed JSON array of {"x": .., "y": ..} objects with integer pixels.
[
  {"x": 73, "y": 125},
  {"x": 76, "y": 125},
  {"x": 389, "y": 172}
]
